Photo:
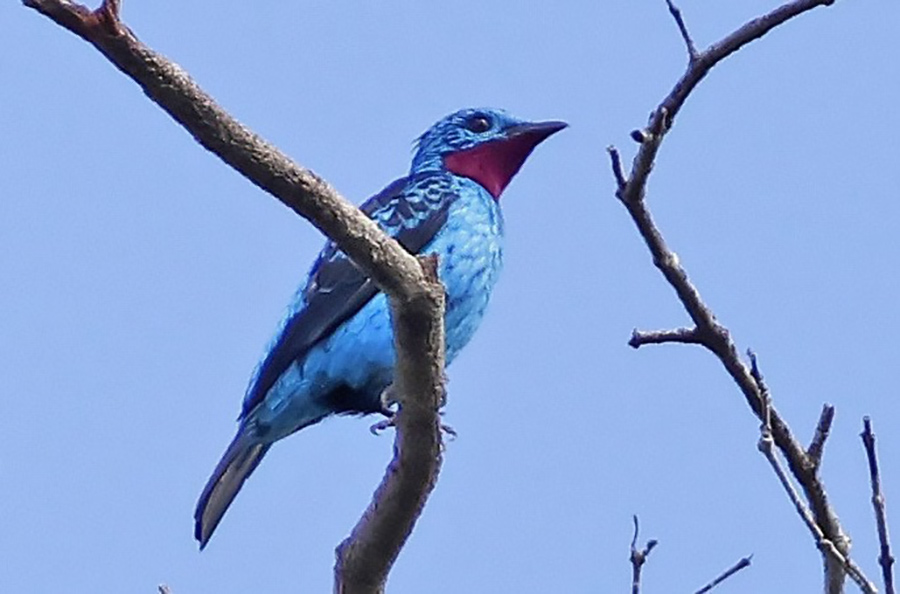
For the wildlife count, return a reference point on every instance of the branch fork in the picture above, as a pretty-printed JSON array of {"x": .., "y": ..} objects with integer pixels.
[
  {"x": 706, "y": 330},
  {"x": 415, "y": 293}
]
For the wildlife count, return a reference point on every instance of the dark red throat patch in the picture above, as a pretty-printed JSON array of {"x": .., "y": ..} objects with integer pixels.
[{"x": 493, "y": 164}]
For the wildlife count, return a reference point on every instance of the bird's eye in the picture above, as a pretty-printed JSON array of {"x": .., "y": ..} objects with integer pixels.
[{"x": 478, "y": 124}]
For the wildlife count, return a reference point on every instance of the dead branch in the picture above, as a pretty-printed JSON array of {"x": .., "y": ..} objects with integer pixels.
[
  {"x": 885, "y": 558},
  {"x": 638, "y": 557},
  {"x": 416, "y": 295},
  {"x": 744, "y": 562},
  {"x": 707, "y": 330}
]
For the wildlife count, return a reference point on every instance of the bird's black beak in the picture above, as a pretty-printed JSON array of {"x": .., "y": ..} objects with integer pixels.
[{"x": 537, "y": 132}]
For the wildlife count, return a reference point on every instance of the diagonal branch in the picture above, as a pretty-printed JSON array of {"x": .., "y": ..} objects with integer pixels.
[
  {"x": 298, "y": 188},
  {"x": 682, "y": 28},
  {"x": 416, "y": 295},
  {"x": 714, "y": 336},
  {"x": 834, "y": 556},
  {"x": 744, "y": 562},
  {"x": 885, "y": 558}
]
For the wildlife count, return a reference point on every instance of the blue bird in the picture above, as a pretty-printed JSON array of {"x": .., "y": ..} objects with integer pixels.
[{"x": 333, "y": 352}]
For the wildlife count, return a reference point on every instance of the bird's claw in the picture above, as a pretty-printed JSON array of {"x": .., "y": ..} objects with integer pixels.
[
  {"x": 391, "y": 421},
  {"x": 390, "y": 408},
  {"x": 384, "y": 424},
  {"x": 450, "y": 431}
]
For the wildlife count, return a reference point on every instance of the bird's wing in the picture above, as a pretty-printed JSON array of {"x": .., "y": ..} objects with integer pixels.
[{"x": 411, "y": 209}]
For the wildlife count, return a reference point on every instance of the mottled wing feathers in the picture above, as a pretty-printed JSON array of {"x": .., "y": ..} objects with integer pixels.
[{"x": 411, "y": 209}]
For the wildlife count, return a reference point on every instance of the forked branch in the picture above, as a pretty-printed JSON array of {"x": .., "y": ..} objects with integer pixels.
[
  {"x": 416, "y": 295},
  {"x": 707, "y": 330},
  {"x": 639, "y": 556}
]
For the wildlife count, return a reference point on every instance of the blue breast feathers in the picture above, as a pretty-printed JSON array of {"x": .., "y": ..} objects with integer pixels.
[{"x": 334, "y": 349}]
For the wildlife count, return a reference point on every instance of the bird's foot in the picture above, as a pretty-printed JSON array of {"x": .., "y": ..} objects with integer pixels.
[
  {"x": 377, "y": 428},
  {"x": 391, "y": 421},
  {"x": 450, "y": 431},
  {"x": 389, "y": 408}
]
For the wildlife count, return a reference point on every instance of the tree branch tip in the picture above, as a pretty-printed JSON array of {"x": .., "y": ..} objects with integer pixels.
[
  {"x": 618, "y": 172},
  {"x": 867, "y": 426},
  {"x": 639, "y": 136},
  {"x": 823, "y": 429},
  {"x": 826, "y": 417},
  {"x": 80, "y": 19},
  {"x": 678, "y": 335},
  {"x": 108, "y": 15},
  {"x": 634, "y": 342},
  {"x": 682, "y": 28},
  {"x": 639, "y": 557},
  {"x": 634, "y": 537},
  {"x": 637, "y": 528},
  {"x": 741, "y": 564},
  {"x": 754, "y": 368}
]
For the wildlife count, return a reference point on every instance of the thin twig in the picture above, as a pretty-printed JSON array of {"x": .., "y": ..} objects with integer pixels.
[
  {"x": 618, "y": 172},
  {"x": 757, "y": 376},
  {"x": 745, "y": 562},
  {"x": 823, "y": 428},
  {"x": 885, "y": 559},
  {"x": 638, "y": 558},
  {"x": 682, "y": 335},
  {"x": 679, "y": 20}
]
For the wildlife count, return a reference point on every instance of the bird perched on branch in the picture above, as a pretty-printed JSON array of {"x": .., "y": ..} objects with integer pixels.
[{"x": 333, "y": 352}]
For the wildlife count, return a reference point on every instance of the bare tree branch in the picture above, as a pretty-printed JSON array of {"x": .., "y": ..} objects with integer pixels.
[
  {"x": 618, "y": 172},
  {"x": 363, "y": 559},
  {"x": 823, "y": 427},
  {"x": 682, "y": 28},
  {"x": 683, "y": 335},
  {"x": 827, "y": 547},
  {"x": 638, "y": 557},
  {"x": 298, "y": 188},
  {"x": 885, "y": 559},
  {"x": 745, "y": 562},
  {"x": 713, "y": 335},
  {"x": 415, "y": 293}
]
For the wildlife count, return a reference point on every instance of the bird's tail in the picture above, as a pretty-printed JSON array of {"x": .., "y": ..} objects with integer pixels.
[{"x": 237, "y": 463}]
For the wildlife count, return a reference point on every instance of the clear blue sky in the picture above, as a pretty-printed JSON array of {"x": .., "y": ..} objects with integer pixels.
[{"x": 140, "y": 279}]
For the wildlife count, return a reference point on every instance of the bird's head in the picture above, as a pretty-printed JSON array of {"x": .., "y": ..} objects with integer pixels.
[{"x": 485, "y": 145}]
